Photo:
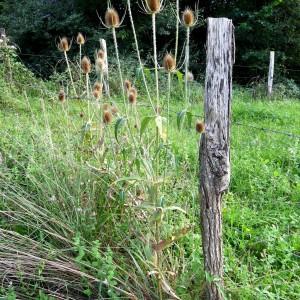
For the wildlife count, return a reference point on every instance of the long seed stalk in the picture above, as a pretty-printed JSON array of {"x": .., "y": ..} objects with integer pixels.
[
  {"x": 138, "y": 54},
  {"x": 155, "y": 60},
  {"x": 70, "y": 74},
  {"x": 119, "y": 65},
  {"x": 187, "y": 58},
  {"x": 177, "y": 30}
]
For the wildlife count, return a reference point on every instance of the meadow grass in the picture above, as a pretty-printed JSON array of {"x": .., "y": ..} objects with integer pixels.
[{"x": 68, "y": 208}]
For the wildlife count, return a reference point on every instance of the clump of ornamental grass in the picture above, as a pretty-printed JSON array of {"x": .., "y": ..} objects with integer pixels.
[{"x": 64, "y": 46}]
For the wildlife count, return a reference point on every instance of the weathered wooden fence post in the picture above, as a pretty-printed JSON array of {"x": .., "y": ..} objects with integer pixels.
[
  {"x": 271, "y": 73},
  {"x": 105, "y": 73},
  {"x": 214, "y": 150}
]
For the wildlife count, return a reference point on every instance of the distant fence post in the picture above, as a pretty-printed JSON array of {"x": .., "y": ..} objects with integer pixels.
[
  {"x": 214, "y": 149},
  {"x": 106, "y": 77},
  {"x": 271, "y": 73}
]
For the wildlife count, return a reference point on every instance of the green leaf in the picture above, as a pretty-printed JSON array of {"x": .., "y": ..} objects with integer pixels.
[
  {"x": 119, "y": 124},
  {"x": 180, "y": 118},
  {"x": 162, "y": 129},
  {"x": 145, "y": 122}
]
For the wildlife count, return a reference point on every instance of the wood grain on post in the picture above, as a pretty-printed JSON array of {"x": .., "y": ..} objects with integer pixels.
[
  {"x": 214, "y": 150},
  {"x": 271, "y": 73},
  {"x": 106, "y": 77}
]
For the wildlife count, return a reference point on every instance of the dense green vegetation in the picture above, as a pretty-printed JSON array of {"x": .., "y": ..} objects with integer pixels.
[
  {"x": 260, "y": 26},
  {"x": 72, "y": 227}
]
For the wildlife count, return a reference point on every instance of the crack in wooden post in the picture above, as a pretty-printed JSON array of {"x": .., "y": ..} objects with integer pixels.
[{"x": 214, "y": 153}]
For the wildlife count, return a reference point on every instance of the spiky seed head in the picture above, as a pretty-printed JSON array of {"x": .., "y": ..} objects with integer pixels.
[
  {"x": 63, "y": 45},
  {"x": 80, "y": 39},
  {"x": 107, "y": 117},
  {"x": 81, "y": 114},
  {"x": 86, "y": 65},
  {"x": 153, "y": 6},
  {"x": 61, "y": 96},
  {"x": 133, "y": 90},
  {"x": 200, "y": 126},
  {"x": 96, "y": 94},
  {"x": 127, "y": 85},
  {"x": 106, "y": 106},
  {"x": 112, "y": 19},
  {"x": 98, "y": 86},
  {"x": 100, "y": 64},
  {"x": 132, "y": 98},
  {"x": 101, "y": 54},
  {"x": 188, "y": 18},
  {"x": 114, "y": 110},
  {"x": 190, "y": 76},
  {"x": 169, "y": 63}
]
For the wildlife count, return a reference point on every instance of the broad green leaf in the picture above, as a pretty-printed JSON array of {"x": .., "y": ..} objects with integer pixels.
[
  {"x": 145, "y": 122},
  {"x": 180, "y": 118},
  {"x": 119, "y": 124},
  {"x": 161, "y": 127}
]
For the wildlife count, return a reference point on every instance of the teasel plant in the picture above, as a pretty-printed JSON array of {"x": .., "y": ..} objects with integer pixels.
[
  {"x": 80, "y": 41},
  {"x": 112, "y": 21},
  {"x": 86, "y": 68},
  {"x": 189, "y": 20},
  {"x": 64, "y": 46},
  {"x": 154, "y": 7}
]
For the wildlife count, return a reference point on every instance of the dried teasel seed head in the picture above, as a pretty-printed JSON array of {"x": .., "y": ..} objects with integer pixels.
[
  {"x": 100, "y": 64},
  {"x": 98, "y": 86},
  {"x": 114, "y": 110},
  {"x": 86, "y": 65},
  {"x": 64, "y": 45},
  {"x": 80, "y": 39},
  {"x": 190, "y": 76},
  {"x": 61, "y": 96},
  {"x": 188, "y": 18},
  {"x": 153, "y": 6},
  {"x": 112, "y": 19},
  {"x": 81, "y": 114},
  {"x": 101, "y": 54},
  {"x": 127, "y": 85},
  {"x": 107, "y": 117},
  {"x": 132, "y": 98},
  {"x": 200, "y": 126},
  {"x": 133, "y": 90},
  {"x": 96, "y": 94},
  {"x": 169, "y": 63}
]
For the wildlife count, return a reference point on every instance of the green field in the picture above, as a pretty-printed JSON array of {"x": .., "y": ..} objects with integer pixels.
[{"x": 75, "y": 218}]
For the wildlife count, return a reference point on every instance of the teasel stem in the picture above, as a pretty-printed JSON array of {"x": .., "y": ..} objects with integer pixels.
[
  {"x": 70, "y": 74},
  {"x": 187, "y": 58},
  {"x": 119, "y": 65},
  {"x": 80, "y": 54},
  {"x": 138, "y": 53},
  {"x": 155, "y": 59},
  {"x": 177, "y": 30},
  {"x": 168, "y": 101}
]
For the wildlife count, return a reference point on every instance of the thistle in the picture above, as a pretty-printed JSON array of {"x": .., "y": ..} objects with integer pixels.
[{"x": 64, "y": 47}]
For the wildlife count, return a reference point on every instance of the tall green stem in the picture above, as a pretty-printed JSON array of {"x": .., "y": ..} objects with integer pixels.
[
  {"x": 80, "y": 59},
  {"x": 177, "y": 30},
  {"x": 138, "y": 54},
  {"x": 187, "y": 58},
  {"x": 70, "y": 74},
  {"x": 119, "y": 65},
  {"x": 155, "y": 60}
]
